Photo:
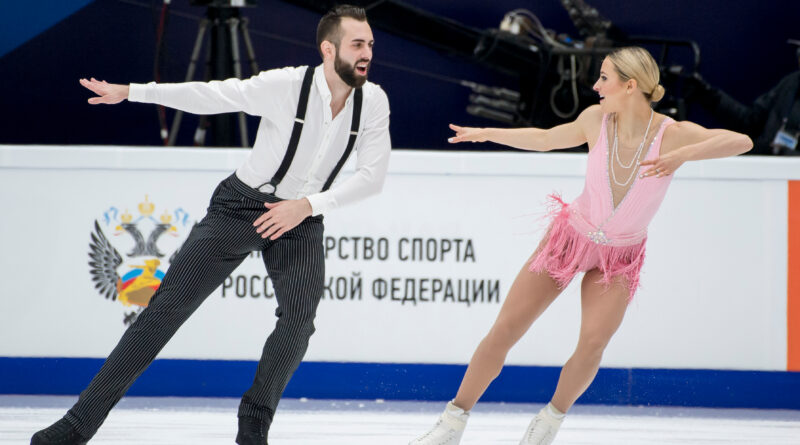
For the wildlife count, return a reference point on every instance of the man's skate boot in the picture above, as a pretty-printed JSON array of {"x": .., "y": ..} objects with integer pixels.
[
  {"x": 448, "y": 429},
  {"x": 59, "y": 433},
  {"x": 252, "y": 431}
]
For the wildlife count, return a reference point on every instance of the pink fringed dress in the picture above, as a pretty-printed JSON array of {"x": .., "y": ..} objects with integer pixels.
[{"x": 591, "y": 232}]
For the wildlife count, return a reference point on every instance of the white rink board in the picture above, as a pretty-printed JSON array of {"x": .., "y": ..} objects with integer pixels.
[{"x": 713, "y": 287}]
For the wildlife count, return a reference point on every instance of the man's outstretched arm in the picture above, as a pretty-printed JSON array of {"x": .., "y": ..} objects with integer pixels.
[{"x": 260, "y": 95}]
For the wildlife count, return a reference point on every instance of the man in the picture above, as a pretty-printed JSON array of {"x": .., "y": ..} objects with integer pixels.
[
  {"x": 273, "y": 203},
  {"x": 773, "y": 119}
]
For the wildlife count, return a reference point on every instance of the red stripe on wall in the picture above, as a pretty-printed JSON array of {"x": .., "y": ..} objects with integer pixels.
[{"x": 793, "y": 294}]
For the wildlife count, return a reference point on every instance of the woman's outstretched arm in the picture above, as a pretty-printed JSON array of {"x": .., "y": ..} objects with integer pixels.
[{"x": 567, "y": 135}]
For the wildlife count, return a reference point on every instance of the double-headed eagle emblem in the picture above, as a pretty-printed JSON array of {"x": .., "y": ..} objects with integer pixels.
[{"x": 137, "y": 285}]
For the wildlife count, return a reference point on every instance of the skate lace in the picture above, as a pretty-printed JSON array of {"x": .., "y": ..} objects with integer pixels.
[
  {"x": 535, "y": 437},
  {"x": 432, "y": 432}
]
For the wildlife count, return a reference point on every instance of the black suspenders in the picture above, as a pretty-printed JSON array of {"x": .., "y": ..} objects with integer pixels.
[
  {"x": 299, "y": 120},
  {"x": 351, "y": 142}
]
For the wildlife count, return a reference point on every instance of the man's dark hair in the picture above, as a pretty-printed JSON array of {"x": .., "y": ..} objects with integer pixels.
[{"x": 329, "y": 27}]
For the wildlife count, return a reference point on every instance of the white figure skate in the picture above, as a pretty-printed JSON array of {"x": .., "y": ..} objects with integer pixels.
[
  {"x": 542, "y": 429},
  {"x": 448, "y": 429}
]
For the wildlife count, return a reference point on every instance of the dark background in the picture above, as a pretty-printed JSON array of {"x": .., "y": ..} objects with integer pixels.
[{"x": 743, "y": 44}]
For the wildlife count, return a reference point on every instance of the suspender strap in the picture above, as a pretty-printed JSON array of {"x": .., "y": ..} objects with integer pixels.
[
  {"x": 357, "y": 99},
  {"x": 299, "y": 120}
]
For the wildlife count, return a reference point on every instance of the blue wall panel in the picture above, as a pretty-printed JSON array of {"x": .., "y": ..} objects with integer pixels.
[{"x": 323, "y": 380}]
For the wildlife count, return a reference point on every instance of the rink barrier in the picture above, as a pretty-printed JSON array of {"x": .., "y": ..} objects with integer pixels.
[
  {"x": 324, "y": 380},
  {"x": 665, "y": 354}
]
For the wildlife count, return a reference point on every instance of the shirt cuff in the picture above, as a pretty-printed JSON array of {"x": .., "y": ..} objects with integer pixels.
[
  {"x": 318, "y": 203},
  {"x": 137, "y": 92}
]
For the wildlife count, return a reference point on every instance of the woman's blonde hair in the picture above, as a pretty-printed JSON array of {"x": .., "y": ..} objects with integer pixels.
[{"x": 634, "y": 62}]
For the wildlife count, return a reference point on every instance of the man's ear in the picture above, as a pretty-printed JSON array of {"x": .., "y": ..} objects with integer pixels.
[{"x": 328, "y": 49}]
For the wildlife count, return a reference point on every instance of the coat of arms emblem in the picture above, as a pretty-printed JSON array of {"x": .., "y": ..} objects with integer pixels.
[{"x": 132, "y": 277}]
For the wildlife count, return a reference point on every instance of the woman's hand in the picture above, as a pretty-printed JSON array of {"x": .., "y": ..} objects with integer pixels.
[
  {"x": 664, "y": 165},
  {"x": 467, "y": 134}
]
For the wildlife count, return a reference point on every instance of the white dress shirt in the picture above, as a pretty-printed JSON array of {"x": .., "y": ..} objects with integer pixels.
[{"x": 273, "y": 95}]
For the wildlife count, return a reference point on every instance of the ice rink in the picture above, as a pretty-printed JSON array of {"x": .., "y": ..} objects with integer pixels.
[{"x": 201, "y": 421}]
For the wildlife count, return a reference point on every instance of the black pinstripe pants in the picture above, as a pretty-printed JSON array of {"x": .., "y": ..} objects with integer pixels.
[{"x": 213, "y": 249}]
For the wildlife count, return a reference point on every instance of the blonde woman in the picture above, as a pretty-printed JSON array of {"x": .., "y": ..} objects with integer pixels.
[{"x": 633, "y": 153}]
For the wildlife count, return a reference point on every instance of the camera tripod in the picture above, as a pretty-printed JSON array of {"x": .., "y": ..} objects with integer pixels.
[{"x": 223, "y": 25}]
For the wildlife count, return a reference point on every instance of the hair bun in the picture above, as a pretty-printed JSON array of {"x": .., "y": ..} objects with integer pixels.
[{"x": 657, "y": 94}]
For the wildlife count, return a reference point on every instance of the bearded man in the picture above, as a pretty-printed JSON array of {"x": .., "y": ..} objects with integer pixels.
[{"x": 312, "y": 118}]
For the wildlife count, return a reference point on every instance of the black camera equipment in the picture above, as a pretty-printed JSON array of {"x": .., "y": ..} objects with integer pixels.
[
  {"x": 224, "y": 25},
  {"x": 224, "y": 3},
  {"x": 555, "y": 72}
]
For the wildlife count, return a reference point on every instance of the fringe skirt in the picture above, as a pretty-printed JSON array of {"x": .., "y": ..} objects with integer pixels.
[{"x": 565, "y": 252}]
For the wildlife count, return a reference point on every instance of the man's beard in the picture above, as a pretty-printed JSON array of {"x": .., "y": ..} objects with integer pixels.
[{"x": 347, "y": 72}]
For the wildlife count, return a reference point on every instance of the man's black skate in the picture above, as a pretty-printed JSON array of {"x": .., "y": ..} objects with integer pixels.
[
  {"x": 252, "y": 431},
  {"x": 59, "y": 433}
]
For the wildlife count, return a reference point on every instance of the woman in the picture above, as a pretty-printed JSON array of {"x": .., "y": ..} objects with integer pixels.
[{"x": 633, "y": 153}]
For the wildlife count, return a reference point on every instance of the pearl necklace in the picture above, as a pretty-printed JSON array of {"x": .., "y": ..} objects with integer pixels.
[{"x": 634, "y": 159}]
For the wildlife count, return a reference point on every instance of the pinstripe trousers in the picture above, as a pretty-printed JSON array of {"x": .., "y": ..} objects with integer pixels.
[{"x": 213, "y": 249}]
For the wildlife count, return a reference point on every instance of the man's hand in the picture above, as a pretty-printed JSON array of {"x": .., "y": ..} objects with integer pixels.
[
  {"x": 282, "y": 217},
  {"x": 109, "y": 93}
]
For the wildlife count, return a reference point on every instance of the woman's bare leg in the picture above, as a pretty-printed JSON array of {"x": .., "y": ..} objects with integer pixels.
[
  {"x": 529, "y": 296},
  {"x": 602, "y": 310}
]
